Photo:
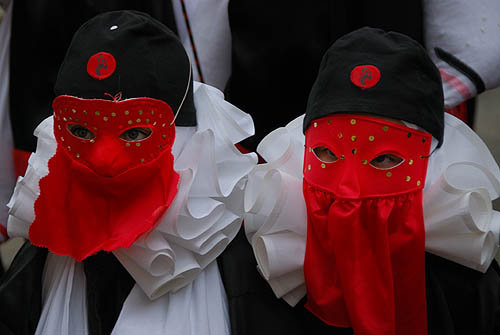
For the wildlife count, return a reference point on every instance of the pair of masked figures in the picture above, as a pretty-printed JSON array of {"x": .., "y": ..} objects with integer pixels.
[{"x": 138, "y": 164}]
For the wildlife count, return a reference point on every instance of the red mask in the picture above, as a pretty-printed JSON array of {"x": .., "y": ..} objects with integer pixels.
[
  {"x": 364, "y": 262},
  {"x": 108, "y": 183}
]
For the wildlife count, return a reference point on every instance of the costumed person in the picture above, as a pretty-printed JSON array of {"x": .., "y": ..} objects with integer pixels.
[
  {"x": 277, "y": 48},
  {"x": 51, "y": 26},
  {"x": 134, "y": 190},
  {"x": 376, "y": 205}
]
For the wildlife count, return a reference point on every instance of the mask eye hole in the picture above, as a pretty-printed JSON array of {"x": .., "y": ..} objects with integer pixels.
[
  {"x": 325, "y": 155},
  {"x": 80, "y": 131},
  {"x": 386, "y": 161},
  {"x": 136, "y": 134}
]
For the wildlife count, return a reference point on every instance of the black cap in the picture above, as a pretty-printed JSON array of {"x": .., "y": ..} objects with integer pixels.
[
  {"x": 132, "y": 53},
  {"x": 370, "y": 71}
]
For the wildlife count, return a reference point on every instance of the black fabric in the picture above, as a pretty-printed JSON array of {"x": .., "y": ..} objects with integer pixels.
[
  {"x": 41, "y": 34},
  {"x": 460, "y": 301},
  {"x": 462, "y": 67},
  {"x": 150, "y": 62},
  {"x": 108, "y": 285},
  {"x": 21, "y": 292},
  {"x": 253, "y": 307},
  {"x": 409, "y": 89},
  {"x": 277, "y": 48}
]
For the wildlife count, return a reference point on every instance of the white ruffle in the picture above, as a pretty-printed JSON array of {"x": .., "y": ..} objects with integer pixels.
[
  {"x": 201, "y": 221},
  {"x": 462, "y": 179},
  {"x": 198, "y": 308},
  {"x": 204, "y": 217},
  {"x": 275, "y": 220}
]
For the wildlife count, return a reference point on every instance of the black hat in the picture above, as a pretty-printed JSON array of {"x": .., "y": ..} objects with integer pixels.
[
  {"x": 370, "y": 71},
  {"x": 132, "y": 53}
]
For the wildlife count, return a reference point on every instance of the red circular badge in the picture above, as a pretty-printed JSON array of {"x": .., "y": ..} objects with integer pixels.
[
  {"x": 365, "y": 76},
  {"x": 101, "y": 65}
]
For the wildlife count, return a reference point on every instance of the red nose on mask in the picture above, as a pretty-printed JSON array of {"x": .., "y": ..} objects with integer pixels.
[
  {"x": 356, "y": 145},
  {"x": 106, "y": 160},
  {"x": 105, "y": 187},
  {"x": 365, "y": 250}
]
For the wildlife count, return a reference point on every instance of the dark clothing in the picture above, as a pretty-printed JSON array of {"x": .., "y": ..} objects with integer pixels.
[
  {"x": 460, "y": 301},
  {"x": 277, "y": 47}
]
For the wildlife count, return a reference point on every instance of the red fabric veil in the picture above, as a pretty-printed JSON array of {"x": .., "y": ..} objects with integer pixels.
[
  {"x": 102, "y": 192},
  {"x": 364, "y": 262}
]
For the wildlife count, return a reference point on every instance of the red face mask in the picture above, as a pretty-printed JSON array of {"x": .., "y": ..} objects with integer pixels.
[
  {"x": 364, "y": 262},
  {"x": 111, "y": 178}
]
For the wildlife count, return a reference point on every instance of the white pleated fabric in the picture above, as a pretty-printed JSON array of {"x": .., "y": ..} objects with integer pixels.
[
  {"x": 462, "y": 180},
  {"x": 63, "y": 297},
  {"x": 176, "y": 260},
  {"x": 198, "y": 308},
  {"x": 470, "y": 31}
]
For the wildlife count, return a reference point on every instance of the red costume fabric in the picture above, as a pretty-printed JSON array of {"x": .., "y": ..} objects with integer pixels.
[
  {"x": 103, "y": 192},
  {"x": 364, "y": 261}
]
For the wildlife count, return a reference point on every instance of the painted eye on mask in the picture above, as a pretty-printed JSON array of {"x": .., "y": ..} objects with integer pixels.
[
  {"x": 325, "y": 155},
  {"x": 386, "y": 161},
  {"x": 80, "y": 131},
  {"x": 136, "y": 134}
]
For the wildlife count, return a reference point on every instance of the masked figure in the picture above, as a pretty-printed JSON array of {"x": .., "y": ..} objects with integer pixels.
[
  {"x": 136, "y": 165},
  {"x": 384, "y": 177}
]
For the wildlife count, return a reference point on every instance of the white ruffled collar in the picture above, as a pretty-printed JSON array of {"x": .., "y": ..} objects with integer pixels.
[
  {"x": 205, "y": 215},
  {"x": 462, "y": 179}
]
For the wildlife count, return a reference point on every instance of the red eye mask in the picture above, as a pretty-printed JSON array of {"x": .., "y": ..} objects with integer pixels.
[
  {"x": 357, "y": 141},
  {"x": 107, "y": 154},
  {"x": 364, "y": 263},
  {"x": 104, "y": 188}
]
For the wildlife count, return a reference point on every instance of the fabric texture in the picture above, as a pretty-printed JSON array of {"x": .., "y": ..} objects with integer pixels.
[
  {"x": 91, "y": 180},
  {"x": 463, "y": 40},
  {"x": 7, "y": 176},
  {"x": 409, "y": 88},
  {"x": 364, "y": 258},
  {"x": 115, "y": 34},
  {"x": 209, "y": 25},
  {"x": 280, "y": 65},
  {"x": 51, "y": 29},
  {"x": 203, "y": 218},
  {"x": 276, "y": 215}
]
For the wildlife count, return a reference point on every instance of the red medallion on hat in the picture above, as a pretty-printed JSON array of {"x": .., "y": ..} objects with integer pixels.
[
  {"x": 364, "y": 263},
  {"x": 112, "y": 176},
  {"x": 101, "y": 65},
  {"x": 365, "y": 76}
]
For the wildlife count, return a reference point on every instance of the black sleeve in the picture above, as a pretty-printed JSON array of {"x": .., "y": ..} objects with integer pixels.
[{"x": 21, "y": 292}]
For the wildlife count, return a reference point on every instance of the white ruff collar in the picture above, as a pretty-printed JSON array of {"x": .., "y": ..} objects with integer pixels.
[
  {"x": 168, "y": 264},
  {"x": 460, "y": 225}
]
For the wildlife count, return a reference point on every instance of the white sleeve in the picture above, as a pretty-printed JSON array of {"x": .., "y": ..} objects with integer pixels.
[
  {"x": 467, "y": 31},
  {"x": 7, "y": 176}
]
